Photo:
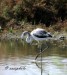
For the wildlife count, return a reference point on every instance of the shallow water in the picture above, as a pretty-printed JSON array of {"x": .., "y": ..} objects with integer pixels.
[{"x": 18, "y": 58}]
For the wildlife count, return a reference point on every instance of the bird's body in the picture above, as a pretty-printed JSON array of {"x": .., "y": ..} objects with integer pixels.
[{"x": 38, "y": 34}]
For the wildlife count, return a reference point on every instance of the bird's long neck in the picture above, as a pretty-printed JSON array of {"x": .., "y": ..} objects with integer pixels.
[
  {"x": 28, "y": 34},
  {"x": 29, "y": 38}
]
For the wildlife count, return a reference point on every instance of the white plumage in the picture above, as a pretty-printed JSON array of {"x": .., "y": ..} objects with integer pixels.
[{"x": 38, "y": 34}]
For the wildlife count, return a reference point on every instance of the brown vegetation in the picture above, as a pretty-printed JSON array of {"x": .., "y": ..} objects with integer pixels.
[{"x": 48, "y": 12}]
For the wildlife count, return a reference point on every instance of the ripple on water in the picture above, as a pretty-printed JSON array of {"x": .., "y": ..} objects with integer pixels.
[{"x": 51, "y": 65}]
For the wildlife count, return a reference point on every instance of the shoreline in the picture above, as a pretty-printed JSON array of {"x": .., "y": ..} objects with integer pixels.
[{"x": 16, "y": 33}]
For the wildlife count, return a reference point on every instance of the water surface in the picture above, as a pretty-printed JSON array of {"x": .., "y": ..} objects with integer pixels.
[{"x": 18, "y": 58}]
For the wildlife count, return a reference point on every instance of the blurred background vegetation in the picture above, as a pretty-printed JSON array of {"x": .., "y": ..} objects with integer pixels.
[{"x": 17, "y": 12}]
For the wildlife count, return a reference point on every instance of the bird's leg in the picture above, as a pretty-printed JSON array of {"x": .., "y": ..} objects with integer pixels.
[
  {"x": 45, "y": 48},
  {"x": 41, "y": 51},
  {"x": 41, "y": 58},
  {"x": 39, "y": 46}
]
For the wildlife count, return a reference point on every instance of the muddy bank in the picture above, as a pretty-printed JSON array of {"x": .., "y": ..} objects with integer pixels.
[
  {"x": 16, "y": 35},
  {"x": 7, "y": 36}
]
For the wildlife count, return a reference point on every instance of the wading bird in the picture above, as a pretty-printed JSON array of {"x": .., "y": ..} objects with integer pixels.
[{"x": 38, "y": 35}]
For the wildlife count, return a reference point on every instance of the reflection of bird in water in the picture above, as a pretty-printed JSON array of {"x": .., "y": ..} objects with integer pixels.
[
  {"x": 38, "y": 35},
  {"x": 62, "y": 37}
]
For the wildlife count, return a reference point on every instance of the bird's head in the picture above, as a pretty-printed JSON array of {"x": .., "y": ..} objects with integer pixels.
[{"x": 24, "y": 34}]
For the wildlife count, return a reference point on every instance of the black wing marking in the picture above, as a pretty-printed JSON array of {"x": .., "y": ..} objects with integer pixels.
[{"x": 40, "y": 34}]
